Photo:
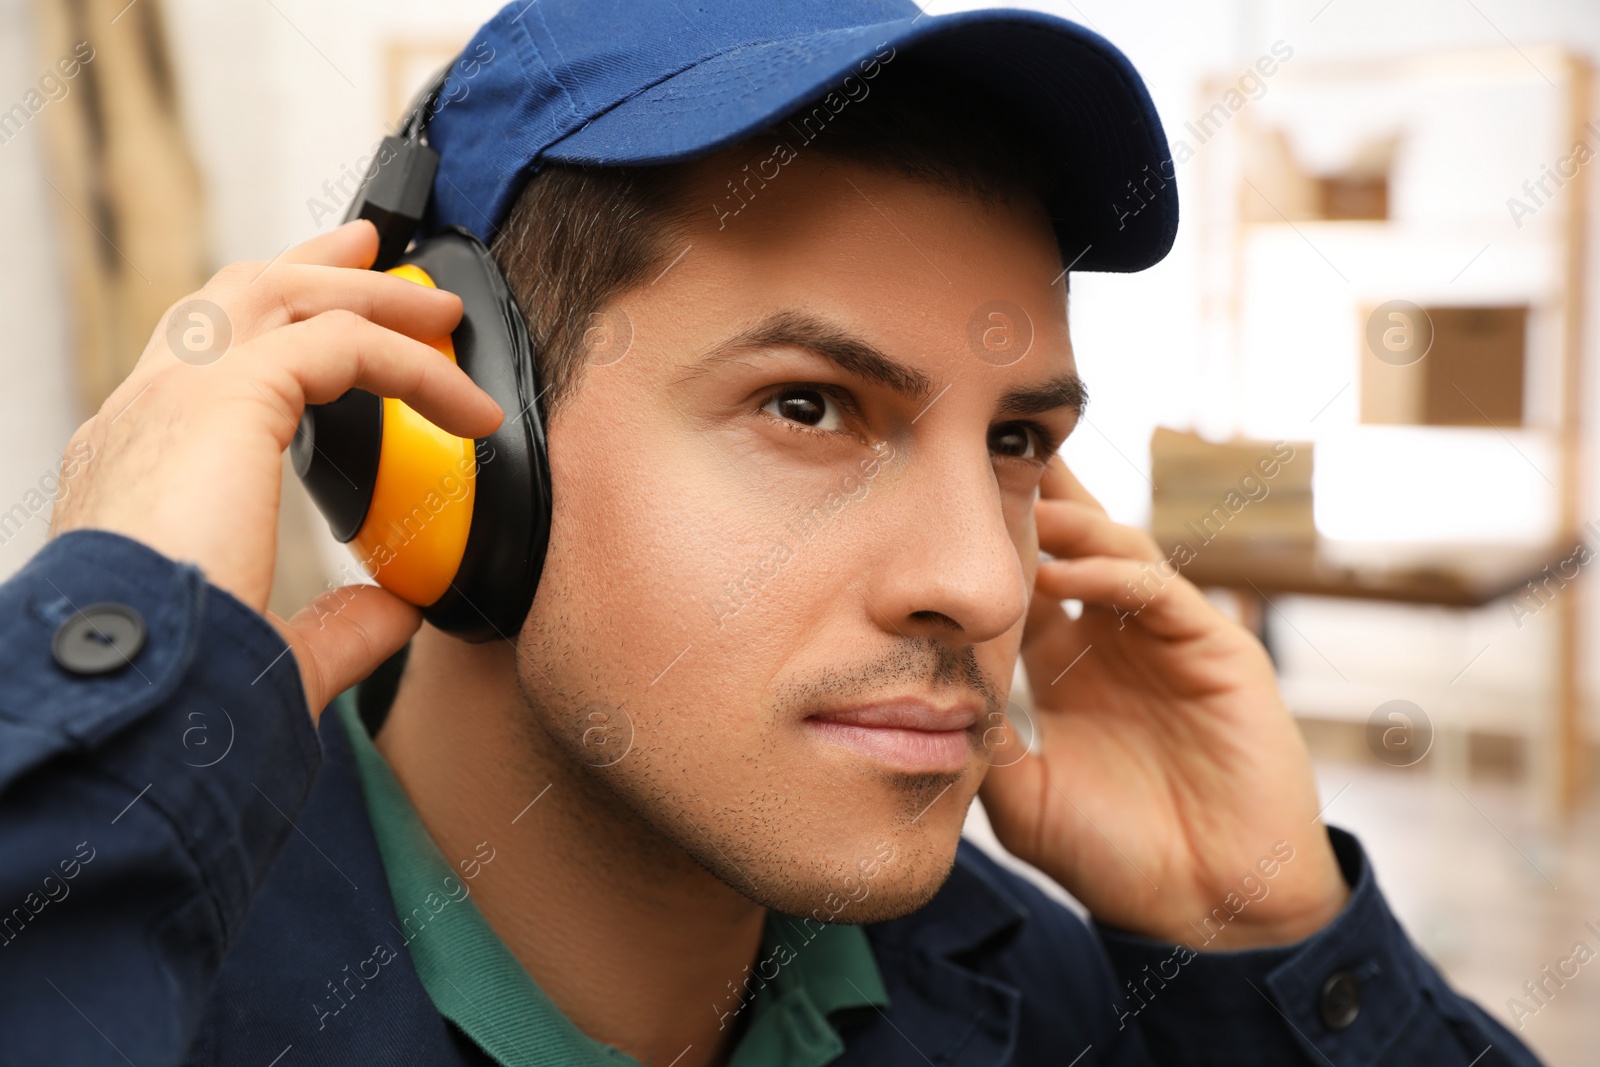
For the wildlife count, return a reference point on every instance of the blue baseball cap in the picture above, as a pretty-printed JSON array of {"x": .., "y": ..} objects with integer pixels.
[{"x": 635, "y": 82}]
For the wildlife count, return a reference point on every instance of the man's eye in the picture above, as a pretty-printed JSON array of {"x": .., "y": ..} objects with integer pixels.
[
  {"x": 1014, "y": 440},
  {"x": 807, "y": 406}
]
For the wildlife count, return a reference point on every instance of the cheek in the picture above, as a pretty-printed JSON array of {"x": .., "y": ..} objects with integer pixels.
[
  {"x": 1024, "y": 532},
  {"x": 662, "y": 555},
  {"x": 631, "y": 543},
  {"x": 999, "y": 656}
]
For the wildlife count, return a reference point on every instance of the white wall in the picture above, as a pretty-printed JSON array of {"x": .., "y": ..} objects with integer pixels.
[
  {"x": 37, "y": 401},
  {"x": 282, "y": 96}
]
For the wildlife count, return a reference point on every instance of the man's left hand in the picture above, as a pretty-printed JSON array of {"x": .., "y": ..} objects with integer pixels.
[{"x": 1170, "y": 782}]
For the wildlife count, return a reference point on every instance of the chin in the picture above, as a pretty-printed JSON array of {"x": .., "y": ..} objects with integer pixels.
[
  {"x": 869, "y": 879},
  {"x": 894, "y": 901}
]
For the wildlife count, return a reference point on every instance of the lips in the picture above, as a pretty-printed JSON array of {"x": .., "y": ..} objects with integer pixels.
[{"x": 910, "y": 735}]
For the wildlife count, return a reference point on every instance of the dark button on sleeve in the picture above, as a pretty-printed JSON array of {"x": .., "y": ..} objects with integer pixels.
[
  {"x": 99, "y": 639},
  {"x": 1353, "y": 994},
  {"x": 116, "y": 664},
  {"x": 1340, "y": 1000}
]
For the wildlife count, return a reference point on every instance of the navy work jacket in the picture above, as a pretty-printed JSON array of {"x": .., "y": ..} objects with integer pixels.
[{"x": 186, "y": 865}]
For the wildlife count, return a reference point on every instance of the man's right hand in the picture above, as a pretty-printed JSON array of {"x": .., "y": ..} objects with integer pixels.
[{"x": 187, "y": 455}]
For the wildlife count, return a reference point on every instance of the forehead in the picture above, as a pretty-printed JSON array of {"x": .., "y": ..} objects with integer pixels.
[{"x": 915, "y": 267}]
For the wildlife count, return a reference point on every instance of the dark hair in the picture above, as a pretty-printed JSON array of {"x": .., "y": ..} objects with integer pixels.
[{"x": 578, "y": 236}]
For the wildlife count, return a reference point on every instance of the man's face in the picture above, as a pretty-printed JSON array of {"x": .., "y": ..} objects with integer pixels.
[{"x": 793, "y": 542}]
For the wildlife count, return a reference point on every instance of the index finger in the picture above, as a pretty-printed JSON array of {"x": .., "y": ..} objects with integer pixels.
[
  {"x": 354, "y": 244},
  {"x": 339, "y": 350},
  {"x": 1059, "y": 483}
]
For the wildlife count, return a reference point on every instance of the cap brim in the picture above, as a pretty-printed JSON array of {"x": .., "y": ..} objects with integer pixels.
[{"x": 1115, "y": 204}]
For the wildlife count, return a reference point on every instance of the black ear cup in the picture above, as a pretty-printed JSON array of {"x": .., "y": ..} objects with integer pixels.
[
  {"x": 335, "y": 453},
  {"x": 482, "y": 589},
  {"x": 510, "y": 532}
]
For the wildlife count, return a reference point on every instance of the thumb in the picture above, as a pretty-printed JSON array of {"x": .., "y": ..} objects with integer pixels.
[{"x": 343, "y": 635}]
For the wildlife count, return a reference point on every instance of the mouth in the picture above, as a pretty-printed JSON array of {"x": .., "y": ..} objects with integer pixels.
[{"x": 909, "y": 735}]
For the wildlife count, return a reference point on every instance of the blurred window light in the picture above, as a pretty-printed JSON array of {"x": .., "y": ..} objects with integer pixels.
[{"x": 1435, "y": 484}]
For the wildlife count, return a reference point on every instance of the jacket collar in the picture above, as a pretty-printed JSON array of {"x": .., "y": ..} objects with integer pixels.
[
  {"x": 943, "y": 1006},
  {"x": 320, "y": 965},
  {"x": 972, "y": 912}
]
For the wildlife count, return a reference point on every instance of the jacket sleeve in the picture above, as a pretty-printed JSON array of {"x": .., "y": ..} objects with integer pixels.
[
  {"x": 141, "y": 801},
  {"x": 1355, "y": 993}
]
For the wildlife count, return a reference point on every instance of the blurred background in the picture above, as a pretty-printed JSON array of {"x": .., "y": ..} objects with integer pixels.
[{"x": 1353, "y": 403}]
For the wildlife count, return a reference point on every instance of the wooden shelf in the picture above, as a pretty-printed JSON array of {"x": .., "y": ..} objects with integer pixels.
[{"x": 1461, "y": 578}]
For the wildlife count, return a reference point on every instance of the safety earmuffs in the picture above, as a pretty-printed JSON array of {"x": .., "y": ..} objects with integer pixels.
[{"x": 455, "y": 526}]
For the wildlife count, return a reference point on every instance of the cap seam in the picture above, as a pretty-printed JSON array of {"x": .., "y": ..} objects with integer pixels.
[
  {"x": 538, "y": 54},
  {"x": 576, "y": 88}
]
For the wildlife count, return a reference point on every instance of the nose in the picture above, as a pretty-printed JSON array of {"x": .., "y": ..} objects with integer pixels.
[{"x": 949, "y": 566}]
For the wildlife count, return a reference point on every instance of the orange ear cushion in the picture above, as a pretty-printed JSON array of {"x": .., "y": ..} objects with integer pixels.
[{"x": 415, "y": 533}]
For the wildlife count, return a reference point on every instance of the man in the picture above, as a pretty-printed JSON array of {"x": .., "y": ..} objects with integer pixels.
[{"x": 704, "y": 808}]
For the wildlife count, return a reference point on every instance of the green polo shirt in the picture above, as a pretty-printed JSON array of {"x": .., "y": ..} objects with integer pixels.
[{"x": 477, "y": 983}]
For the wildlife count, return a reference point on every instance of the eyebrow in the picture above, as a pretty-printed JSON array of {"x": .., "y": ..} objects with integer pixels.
[
  {"x": 798, "y": 329},
  {"x": 1062, "y": 391}
]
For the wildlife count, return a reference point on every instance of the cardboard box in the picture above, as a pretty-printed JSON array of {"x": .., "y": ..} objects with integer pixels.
[{"x": 1245, "y": 491}]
